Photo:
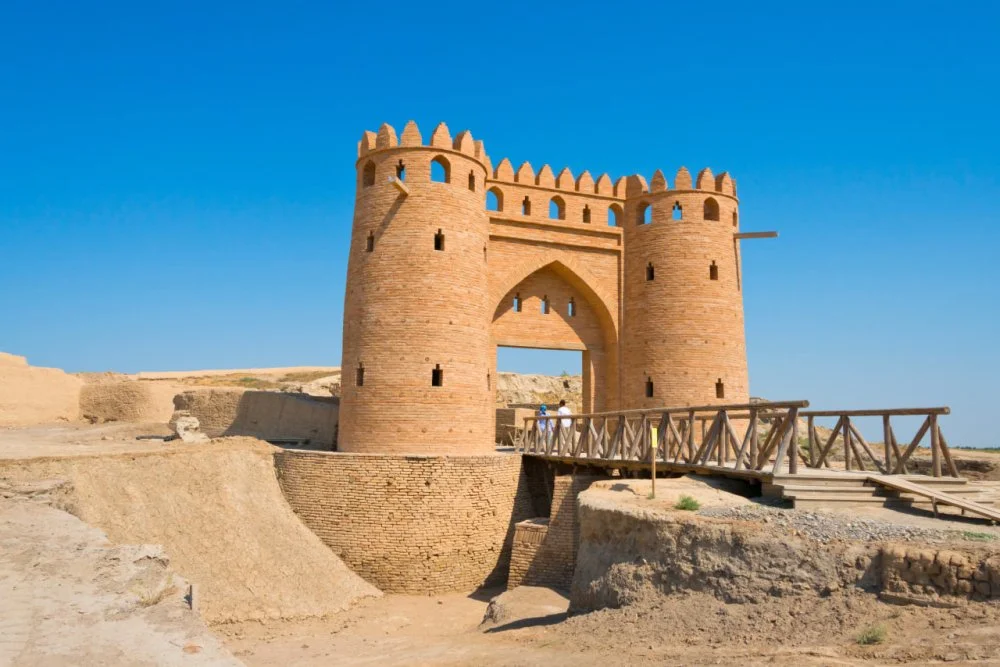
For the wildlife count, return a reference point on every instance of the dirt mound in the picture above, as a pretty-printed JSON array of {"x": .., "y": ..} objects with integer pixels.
[
  {"x": 114, "y": 398},
  {"x": 67, "y": 596},
  {"x": 219, "y": 513},
  {"x": 33, "y": 395}
]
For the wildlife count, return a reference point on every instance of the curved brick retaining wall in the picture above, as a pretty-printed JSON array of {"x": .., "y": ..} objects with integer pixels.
[{"x": 411, "y": 524}]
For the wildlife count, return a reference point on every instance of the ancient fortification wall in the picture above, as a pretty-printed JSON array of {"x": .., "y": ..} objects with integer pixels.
[
  {"x": 644, "y": 280},
  {"x": 411, "y": 524},
  {"x": 268, "y": 415},
  {"x": 32, "y": 395}
]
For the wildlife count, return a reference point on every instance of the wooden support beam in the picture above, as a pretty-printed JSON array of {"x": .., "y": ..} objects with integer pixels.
[
  {"x": 400, "y": 185},
  {"x": 739, "y": 236}
]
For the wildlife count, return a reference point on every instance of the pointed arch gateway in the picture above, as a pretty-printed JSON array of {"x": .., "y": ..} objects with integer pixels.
[{"x": 591, "y": 328}]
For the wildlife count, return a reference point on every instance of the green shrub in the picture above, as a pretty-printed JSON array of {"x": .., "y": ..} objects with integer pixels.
[
  {"x": 978, "y": 537},
  {"x": 687, "y": 503}
]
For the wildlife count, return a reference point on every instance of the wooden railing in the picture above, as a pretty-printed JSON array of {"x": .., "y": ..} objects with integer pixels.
[
  {"x": 706, "y": 436},
  {"x": 673, "y": 435},
  {"x": 891, "y": 460}
]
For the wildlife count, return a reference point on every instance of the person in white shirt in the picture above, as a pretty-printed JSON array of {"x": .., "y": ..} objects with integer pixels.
[
  {"x": 566, "y": 424},
  {"x": 563, "y": 410}
]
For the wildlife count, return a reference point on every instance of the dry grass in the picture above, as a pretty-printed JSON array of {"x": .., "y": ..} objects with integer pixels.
[
  {"x": 149, "y": 597},
  {"x": 233, "y": 380},
  {"x": 873, "y": 634},
  {"x": 305, "y": 376}
]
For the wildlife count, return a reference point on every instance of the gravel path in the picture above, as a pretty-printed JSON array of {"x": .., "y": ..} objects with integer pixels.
[{"x": 826, "y": 528}]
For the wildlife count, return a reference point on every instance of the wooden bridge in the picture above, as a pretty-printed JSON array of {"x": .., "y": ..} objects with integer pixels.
[{"x": 760, "y": 442}]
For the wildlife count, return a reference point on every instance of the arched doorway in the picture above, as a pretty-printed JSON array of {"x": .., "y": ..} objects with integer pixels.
[{"x": 553, "y": 308}]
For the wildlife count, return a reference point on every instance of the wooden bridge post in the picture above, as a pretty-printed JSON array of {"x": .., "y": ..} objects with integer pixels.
[
  {"x": 691, "y": 436},
  {"x": 935, "y": 447},
  {"x": 886, "y": 438},
  {"x": 811, "y": 428},
  {"x": 847, "y": 443},
  {"x": 793, "y": 450}
]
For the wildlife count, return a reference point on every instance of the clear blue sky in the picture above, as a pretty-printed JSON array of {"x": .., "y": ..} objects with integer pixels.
[{"x": 176, "y": 179}]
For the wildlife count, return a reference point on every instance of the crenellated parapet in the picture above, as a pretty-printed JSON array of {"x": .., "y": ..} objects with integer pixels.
[
  {"x": 707, "y": 198},
  {"x": 441, "y": 141}
]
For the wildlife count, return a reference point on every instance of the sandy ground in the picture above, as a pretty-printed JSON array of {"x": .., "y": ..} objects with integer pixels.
[
  {"x": 69, "y": 597},
  {"x": 706, "y": 491},
  {"x": 80, "y": 439},
  {"x": 219, "y": 513},
  {"x": 675, "y": 630}
]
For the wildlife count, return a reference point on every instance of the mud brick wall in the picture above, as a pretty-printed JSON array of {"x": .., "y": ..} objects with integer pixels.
[
  {"x": 549, "y": 559},
  {"x": 922, "y": 573},
  {"x": 528, "y": 538},
  {"x": 411, "y": 524}
]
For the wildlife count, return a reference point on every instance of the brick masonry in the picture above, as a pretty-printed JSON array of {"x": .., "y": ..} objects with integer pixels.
[
  {"x": 544, "y": 550},
  {"x": 410, "y": 308},
  {"x": 412, "y": 524}
]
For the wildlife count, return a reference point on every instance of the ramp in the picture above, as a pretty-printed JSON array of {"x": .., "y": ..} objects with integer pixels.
[{"x": 897, "y": 483}]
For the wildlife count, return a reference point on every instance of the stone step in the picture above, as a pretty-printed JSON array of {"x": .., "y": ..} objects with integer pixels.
[
  {"x": 810, "y": 480},
  {"x": 836, "y": 501}
]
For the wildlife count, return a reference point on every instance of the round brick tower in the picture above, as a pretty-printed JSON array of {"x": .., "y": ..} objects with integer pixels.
[
  {"x": 416, "y": 370},
  {"x": 683, "y": 342}
]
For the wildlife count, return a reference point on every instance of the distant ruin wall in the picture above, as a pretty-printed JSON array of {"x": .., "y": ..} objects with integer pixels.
[
  {"x": 508, "y": 421},
  {"x": 118, "y": 399},
  {"x": 411, "y": 524},
  {"x": 268, "y": 415},
  {"x": 32, "y": 395}
]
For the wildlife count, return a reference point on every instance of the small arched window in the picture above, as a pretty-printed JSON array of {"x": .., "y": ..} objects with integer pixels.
[
  {"x": 517, "y": 302},
  {"x": 649, "y": 387},
  {"x": 614, "y": 215},
  {"x": 644, "y": 214},
  {"x": 736, "y": 218},
  {"x": 472, "y": 181},
  {"x": 720, "y": 389},
  {"x": 440, "y": 170},
  {"x": 368, "y": 175},
  {"x": 713, "y": 271},
  {"x": 526, "y": 206},
  {"x": 437, "y": 376},
  {"x": 650, "y": 274},
  {"x": 370, "y": 244},
  {"x": 494, "y": 199},
  {"x": 711, "y": 209},
  {"x": 359, "y": 378},
  {"x": 545, "y": 305},
  {"x": 678, "y": 211},
  {"x": 586, "y": 214},
  {"x": 439, "y": 240},
  {"x": 401, "y": 171},
  {"x": 571, "y": 308},
  {"x": 557, "y": 208},
  {"x": 488, "y": 385}
]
